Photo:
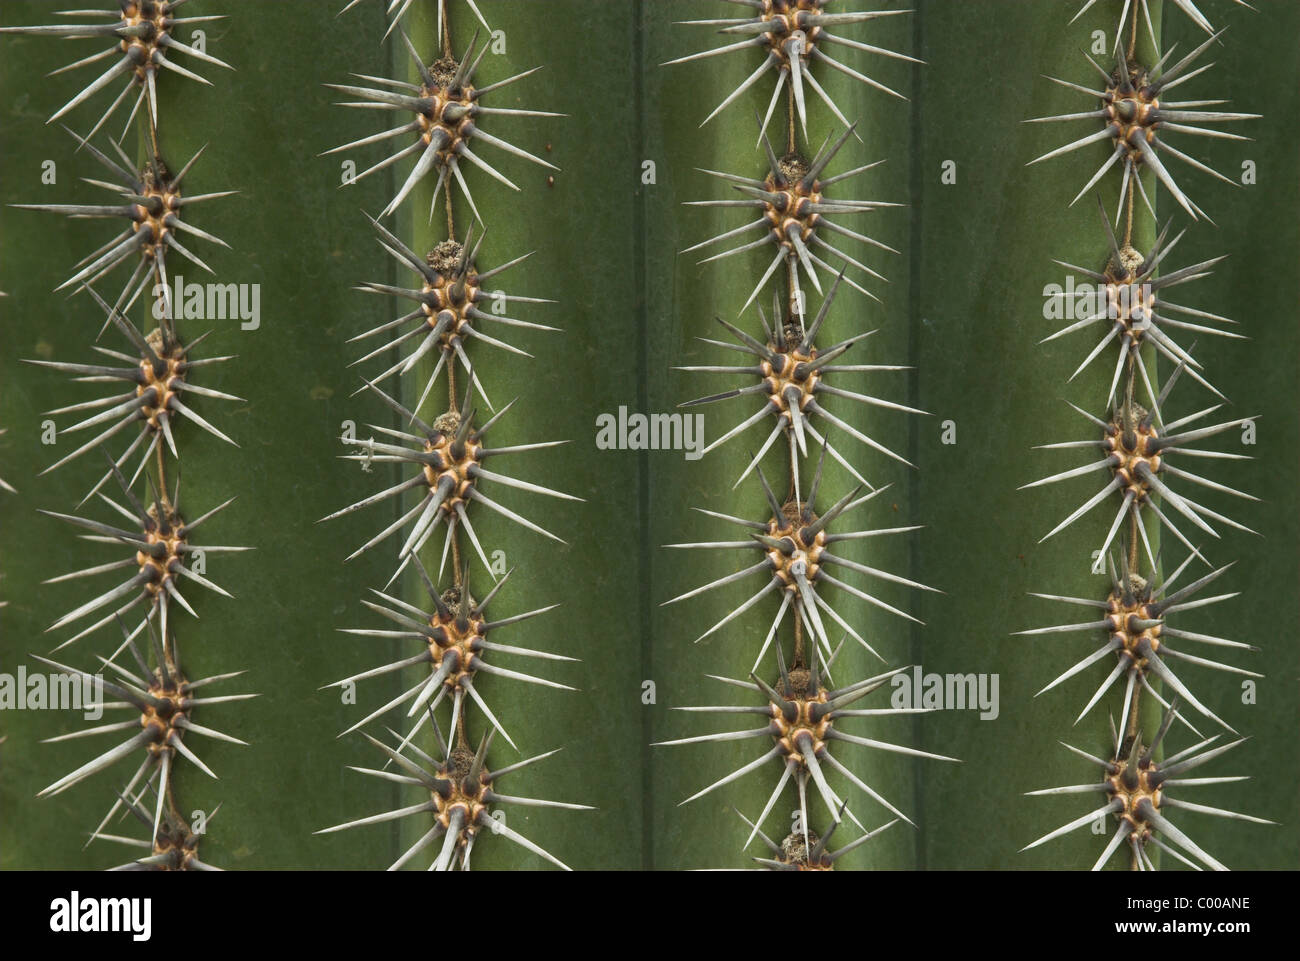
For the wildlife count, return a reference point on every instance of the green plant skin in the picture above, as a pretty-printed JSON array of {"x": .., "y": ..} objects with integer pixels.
[
  {"x": 706, "y": 833},
  {"x": 1258, "y": 286},
  {"x": 290, "y": 780},
  {"x": 979, "y": 282},
  {"x": 573, "y": 377},
  {"x": 294, "y": 592},
  {"x": 980, "y": 306},
  {"x": 964, "y": 297}
]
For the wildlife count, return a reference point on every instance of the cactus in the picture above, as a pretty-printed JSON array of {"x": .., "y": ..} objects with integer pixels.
[
  {"x": 814, "y": 631},
  {"x": 867, "y": 192},
  {"x": 1141, "y": 445},
  {"x": 159, "y": 692}
]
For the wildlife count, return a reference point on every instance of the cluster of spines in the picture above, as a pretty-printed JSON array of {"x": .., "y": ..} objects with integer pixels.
[
  {"x": 802, "y": 850},
  {"x": 156, "y": 371},
  {"x": 445, "y": 447},
  {"x": 800, "y": 212},
  {"x": 1142, "y": 612}
]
